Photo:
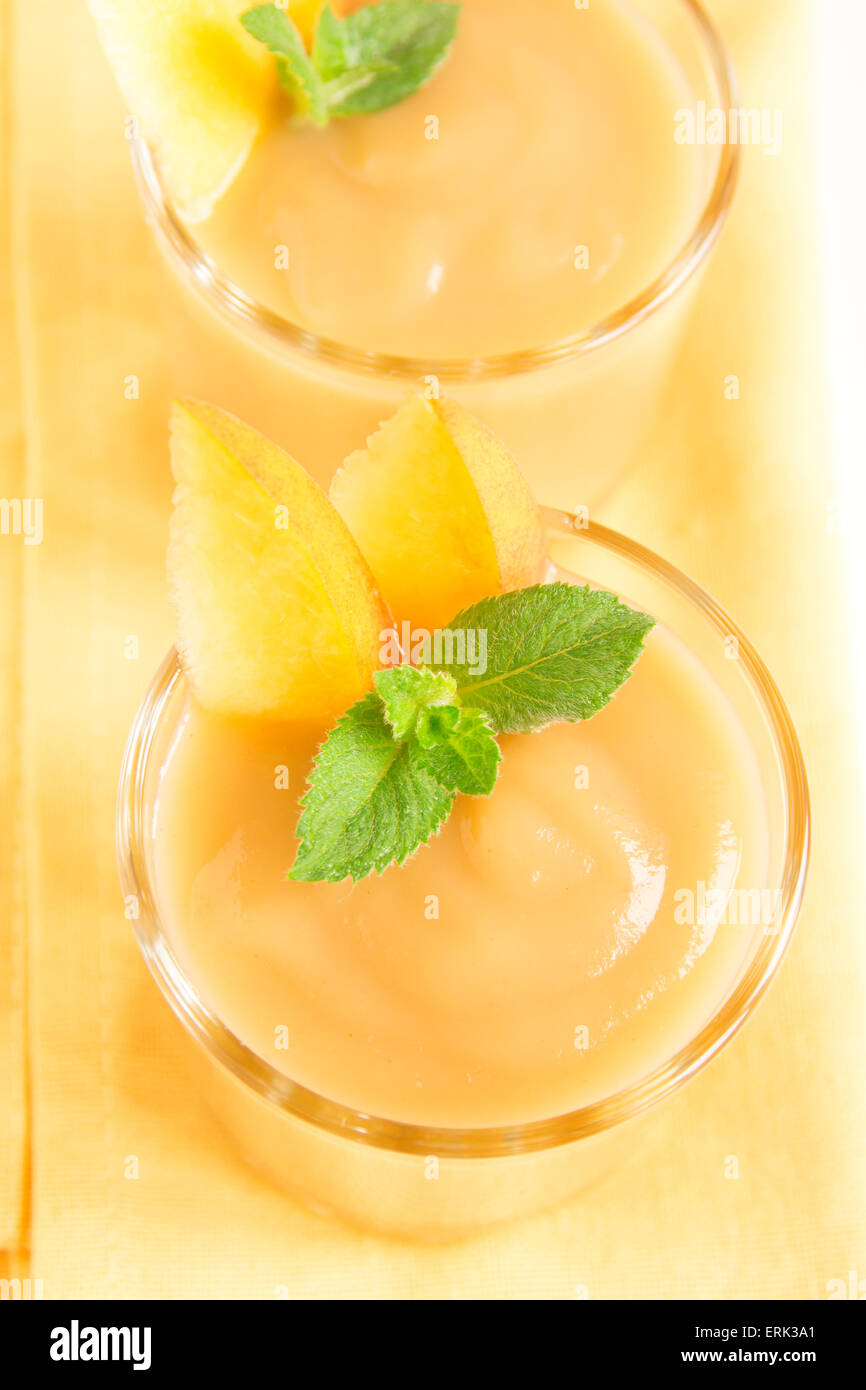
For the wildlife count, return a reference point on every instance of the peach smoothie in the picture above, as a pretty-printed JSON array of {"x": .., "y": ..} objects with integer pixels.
[
  {"x": 455, "y": 832},
  {"x": 524, "y": 194},
  {"x": 518, "y": 230},
  {"x": 528, "y": 961},
  {"x": 555, "y": 929}
]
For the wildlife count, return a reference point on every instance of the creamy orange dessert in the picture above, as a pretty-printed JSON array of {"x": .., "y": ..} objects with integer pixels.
[
  {"x": 524, "y": 190},
  {"x": 491, "y": 190},
  {"x": 434, "y": 810}
]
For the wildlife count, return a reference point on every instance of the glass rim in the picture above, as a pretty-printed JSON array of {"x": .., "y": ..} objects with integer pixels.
[
  {"x": 277, "y": 331},
  {"x": 227, "y": 1050}
]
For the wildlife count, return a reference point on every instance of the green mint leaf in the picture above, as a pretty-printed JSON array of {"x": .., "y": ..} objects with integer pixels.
[
  {"x": 329, "y": 47},
  {"x": 381, "y": 53},
  {"x": 406, "y": 690},
  {"x": 555, "y": 652},
  {"x": 386, "y": 777},
  {"x": 297, "y": 73},
  {"x": 435, "y": 723},
  {"x": 369, "y": 803},
  {"x": 337, "y": 56},
  {"x": 468, "y": 759}
]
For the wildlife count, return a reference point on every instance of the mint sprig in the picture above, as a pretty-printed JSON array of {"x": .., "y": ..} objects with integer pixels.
[
  {"x": 369, "y": 803},
  {"x": 295, "y": 69},
  {"x": 555, "y": 654},
  {"x": 466, "y": 757},
  {"x": 406, "y": 691},
  {"x": 386, "y": 776},
  {"x": 365, "y": 62}
]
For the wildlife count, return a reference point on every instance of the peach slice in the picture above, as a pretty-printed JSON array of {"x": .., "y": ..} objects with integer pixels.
[
  {"x": 198, "y": 84},
  {"x": 441, "y": 512},
  {"x": 278, "y": 613}
]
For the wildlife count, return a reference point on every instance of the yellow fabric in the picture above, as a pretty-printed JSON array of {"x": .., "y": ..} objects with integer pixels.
[
  {"x": 736, "y": 492},
  {"x": 13, "y": 867}
]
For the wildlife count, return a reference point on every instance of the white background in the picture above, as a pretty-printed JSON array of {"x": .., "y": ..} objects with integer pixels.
[{"x": 840, "y": 50}]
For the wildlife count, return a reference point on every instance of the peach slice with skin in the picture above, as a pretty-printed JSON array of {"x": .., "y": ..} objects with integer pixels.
[
  {"x": 197, "y": 84},
  {"x": 278, "y": 613},
  {"x": 441, "y": 512}
]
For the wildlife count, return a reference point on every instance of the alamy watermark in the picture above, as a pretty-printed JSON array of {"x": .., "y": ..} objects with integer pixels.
[
  {"x": 22, "y": 516},
  {"x": 444, "y": 646},
  {"x": 77, "y": 1343},
  {"x": 713, "y": 125},
  {"x": 21, "y": 1290},
  {"x": 727, "y": 907}
]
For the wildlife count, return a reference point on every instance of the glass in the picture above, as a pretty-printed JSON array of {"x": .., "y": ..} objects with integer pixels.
[
  {"x": 376, "y": 1172},
  {"x": 321, "y": 397}
]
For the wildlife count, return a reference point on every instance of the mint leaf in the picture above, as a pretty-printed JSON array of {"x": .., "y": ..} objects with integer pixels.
[
  {"x": 329, "y": 46},
  {"x": 338, "y": 58},
  {"x": 381, "y": 53},
  {"x": 298, "y": 75},
  {"x": 365, "y": 62},
  {"x": 555, "y": 652},
  {"x": 386, "y": 777},
  {"x": 406, "y": 690},
  {"x": 435, "y": 723},
  {"x": 468, "y": 759},
  {"x": 368, "y": 804}
]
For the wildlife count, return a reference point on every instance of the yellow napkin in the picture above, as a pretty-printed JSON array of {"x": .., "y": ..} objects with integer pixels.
[
  {"x": 15, "y": 568},
  {"x": 736, "y": 492}
]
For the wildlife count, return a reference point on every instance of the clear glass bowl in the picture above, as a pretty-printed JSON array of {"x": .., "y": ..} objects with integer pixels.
[
  {"x": 600, "y": 386},
  {"x": 375, "y": 1171}
]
